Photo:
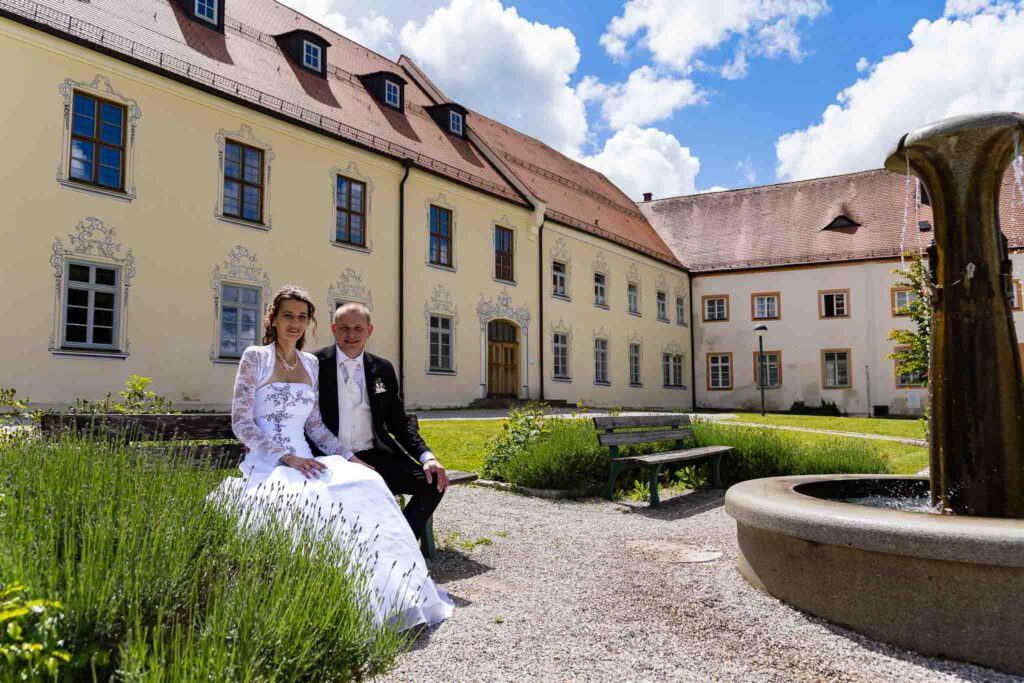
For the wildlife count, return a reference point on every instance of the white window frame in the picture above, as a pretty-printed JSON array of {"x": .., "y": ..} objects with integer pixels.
[
  {"x": 601, "y": 301},
  {"x": 770, "y": 305},
  {"x": 238, "y": 306},
  {"x": 560, "y": 352},
  {"x": 835, "y": 304},
  {"x": 558, "y": 279},
  {"x": 307, "y": 53},
  {"x": 707, "y": 308},
  {"x": 722, "y": 363},
  {"x": 445, "y": 362},
  {"x": 635, "y": 365},
  {"x": 212, "y": 4},
  {"x": 661, "y": 298},
  {"x": 770, "y": 367},
  {"x": 633, "y": 298},
  {"x": 601, "y": 361},
  {"x": 92, "y": 288},
  {"x": 680, "y": 309},
  {"x": 392, "y": 88},
  {"x": 455, "y": 122},
  {"x": 672, "y": 370},
  {"x": 830, "y": 369}
]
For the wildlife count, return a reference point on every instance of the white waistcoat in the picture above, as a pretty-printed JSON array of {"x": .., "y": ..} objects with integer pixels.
[{"x": 355, "y": 423}]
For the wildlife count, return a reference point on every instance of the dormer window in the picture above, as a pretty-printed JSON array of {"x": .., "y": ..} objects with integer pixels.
[
  {"x": 455, "y": 122},
  {"x": 840, "y": 222},
  {"x": 206, "y": 10},
  {"x": 392, "y": 94},
  {"x": 311, "y": 56}
]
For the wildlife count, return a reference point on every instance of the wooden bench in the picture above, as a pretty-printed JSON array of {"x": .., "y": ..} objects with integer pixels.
[
  {"x": 657, "y": 428},
  {"x": 196, "y": 427}
]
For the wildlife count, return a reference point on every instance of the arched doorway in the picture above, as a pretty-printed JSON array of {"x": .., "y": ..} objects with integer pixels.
[{"x": 502, "y": 359}]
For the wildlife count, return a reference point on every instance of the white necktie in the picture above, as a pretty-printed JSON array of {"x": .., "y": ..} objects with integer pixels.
[{"x": 354, "y": 393}]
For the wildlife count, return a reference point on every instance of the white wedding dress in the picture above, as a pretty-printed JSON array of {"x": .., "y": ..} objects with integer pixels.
[{"x": 271, "y": 419}]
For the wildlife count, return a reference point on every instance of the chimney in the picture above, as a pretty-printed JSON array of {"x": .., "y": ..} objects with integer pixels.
[{"x": 648, "y": 196}]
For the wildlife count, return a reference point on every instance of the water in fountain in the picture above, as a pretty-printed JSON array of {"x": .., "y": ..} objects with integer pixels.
[{"x": 907, "y": 503}]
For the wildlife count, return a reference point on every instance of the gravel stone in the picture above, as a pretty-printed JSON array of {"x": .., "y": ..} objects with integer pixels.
[{"x": 600, "y": 591}]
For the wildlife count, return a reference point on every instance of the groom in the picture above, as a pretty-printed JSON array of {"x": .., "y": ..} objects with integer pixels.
[{"x": 361, "y": 403}]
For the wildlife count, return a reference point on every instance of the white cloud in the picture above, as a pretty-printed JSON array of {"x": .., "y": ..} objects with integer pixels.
[
  {"x": 676, "y": 31},
  {"x": 954, "y": 66},
  {"x": 965, "y": 8},
  {"x": 489, "y": 58},
  {"x": 737, "y": 68},
  {"x": 370, "y": 23},
  {"x": 863, "y": 65},
  {"x": 644, "y": 98},
  {"x": 642, "y": 160},
  {"x": 747, "y": 172}
]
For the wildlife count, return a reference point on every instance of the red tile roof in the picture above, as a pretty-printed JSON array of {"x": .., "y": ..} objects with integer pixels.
[
  {"x": 776, "y": 225},
  {"x": 246, "y": 63}
]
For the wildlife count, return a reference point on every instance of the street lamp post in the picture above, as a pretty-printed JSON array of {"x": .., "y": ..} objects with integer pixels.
[{"x": 760, "y": 331}]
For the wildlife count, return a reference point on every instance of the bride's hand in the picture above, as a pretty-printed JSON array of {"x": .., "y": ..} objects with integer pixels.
[
  {"x": 359, "y": 462},
  {"x": 310, "y": 467}
]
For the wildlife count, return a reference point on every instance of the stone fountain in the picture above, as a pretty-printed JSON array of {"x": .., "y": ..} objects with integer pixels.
[{"x": 946, "y": 581}]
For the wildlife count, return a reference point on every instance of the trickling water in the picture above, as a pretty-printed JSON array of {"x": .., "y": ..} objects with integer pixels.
[
  {"x": 911, "y": 503},
  {"x": 906, "y": 216},
  {"x": 1018, "y": 169}
]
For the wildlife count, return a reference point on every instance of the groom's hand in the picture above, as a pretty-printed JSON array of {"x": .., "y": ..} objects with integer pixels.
[{"x": 432, "y": 469}]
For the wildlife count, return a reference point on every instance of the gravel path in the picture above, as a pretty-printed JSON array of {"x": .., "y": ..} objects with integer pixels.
[{"x": 593, "y": 591}]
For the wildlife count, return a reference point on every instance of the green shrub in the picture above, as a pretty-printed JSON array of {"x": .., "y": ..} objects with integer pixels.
[
  {"x": 522, "y": 427},
  {"x": 136, "y": 399},
  {"x": 773, "y": 453},
  {"x": 567, "y": 456},
  {"x": 30, "y": 645},
  {"x": 158, "y": 584},
  {"x": 826, "y": 409}
]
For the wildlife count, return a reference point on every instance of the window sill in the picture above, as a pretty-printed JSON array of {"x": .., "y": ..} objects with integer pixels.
[
  {"x": 837, "y": 388},
  {"x": 564, "y": 380},
  {"x": 663, "y": 320},
  {"x": 762, "y": 320},
  {"x": 441, "y": 266},
  {"x": 605, "y": 307},
  {"x": 351, "y": 247},
  {"x": 119, "y": 195},
  {"x": 243, "y": 223},
  {"x": 833, "y": 317},
  {"x": 90, "y": 353},
  {"x": 773, "y": 387},
  {"x": 674, "y": 387},
  {"x": 504, "y": 282},
  {"x": 682, "y": 324},
  {"x": 716, "y": 320},
  {"x": 719, "y": 388},
  {"x": 226, "y": 361},
  {"x": 561, "y": 297},
  {"x": 442, "y": 373},
  {"x": 602, "y": 383},
  {"x": 637, "y": 385},
  {"x": 636, "y": 313}
]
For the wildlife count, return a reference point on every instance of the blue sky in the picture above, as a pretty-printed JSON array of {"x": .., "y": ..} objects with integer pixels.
[{"x": 680, "y": 96}]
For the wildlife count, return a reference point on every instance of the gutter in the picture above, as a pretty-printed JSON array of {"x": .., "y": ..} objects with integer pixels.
[
  {"x": 693, "y": 355},
  {"x": 407, "y": 165},
  {"x": 540, "y": 297}
]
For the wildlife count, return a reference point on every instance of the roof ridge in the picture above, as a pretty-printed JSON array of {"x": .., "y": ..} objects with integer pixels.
[{"x": 755, "y": 188}]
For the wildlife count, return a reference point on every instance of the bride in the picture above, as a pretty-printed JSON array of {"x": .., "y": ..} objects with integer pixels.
[{"x": 274, "y": 407}]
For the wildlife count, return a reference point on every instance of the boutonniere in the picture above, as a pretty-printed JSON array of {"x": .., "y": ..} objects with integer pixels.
[{"x": 379, "y": 388}]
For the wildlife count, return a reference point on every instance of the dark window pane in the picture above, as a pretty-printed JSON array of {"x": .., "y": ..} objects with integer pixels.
[
  {"x": 111, "y": 134},
  {"x": 103, "y": 318},
  {"x": 253, "y": 163},
  {"x": 77, "y": 316},
  {"x": 357, "y": 229},
  {"x": 103, "y": 300},
  {"x": 232, "y": 190},
  {"x": 76, "y": 333},
  {"x": 111, "y": 114},
  {"x": 102, "y": 335},
  {"x": 434, "y": 250},
  {"x": 342, "y": 193},
  {"x": 233, "y": 161},
  {"x": 110, "y": 177},
  {"x": 85, "y": 105},
  {"x": 227, "y": 329},
  {"x": 78, "y": 273},
  {"x": 251, "y": 205},
  {"x": 227, "y": 347},
  {"x": 110, "y": 157},
  {"x": 230, "y": 293},
  {"x": 357, "y": 197},
  {"x": 249, "y": 296},
  {"x": 445, "y": 257},
  {"x": 78, "y": 297},
  {"x": 106, "y": 276},
  {"x": 83, "y": 125},
  {"x": 248, "y": 335},
  {"x": 234, "y": 152},
  {"x": 248, "y": 316}
]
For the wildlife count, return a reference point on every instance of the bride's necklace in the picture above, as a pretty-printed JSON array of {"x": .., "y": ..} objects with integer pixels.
[{"x": 287, "y": 366}]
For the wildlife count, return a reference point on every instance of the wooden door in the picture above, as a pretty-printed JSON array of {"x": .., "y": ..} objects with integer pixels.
[{"x": 502, "y": 360}]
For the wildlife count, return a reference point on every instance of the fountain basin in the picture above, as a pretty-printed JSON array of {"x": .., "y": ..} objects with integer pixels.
[{"x": 941, "y": 585}]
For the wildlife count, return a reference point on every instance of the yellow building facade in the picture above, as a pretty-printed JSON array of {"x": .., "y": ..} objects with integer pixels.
[{"x": 162, "y": 278}]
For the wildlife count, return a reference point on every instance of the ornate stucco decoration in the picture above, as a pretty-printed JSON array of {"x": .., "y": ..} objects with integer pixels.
[
  {"x": 633, "y": 273},
  {"x": 601, "y": 263},
  {"x": 661, "y": 283},
  {"x": 100, "y": 87},
  {"x": 489, "y": 310},
  {"x": 681, "y": 287},
  {"x": 635, "y": 338},
  {"x": 349, "y": 287},
  {"x": 94, "y": 242},
  {"x": 560, "y": 252},
  {"x": 245, "y": 136},
  {"x": 241, "y": 267},
  {"x": 602, "y": 333},
  {"x": 442, "y": 201},
  {"x": 351, "y": 171},
  {"x": 561, "y": 327},
  {"x": 600, "y": 267},
  {"x": 440, "y": 303},
  {"x": 673, "y": 347}
]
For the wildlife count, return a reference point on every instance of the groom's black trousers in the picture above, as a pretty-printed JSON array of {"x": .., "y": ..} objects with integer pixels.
[{"x": 404, "y": 475}]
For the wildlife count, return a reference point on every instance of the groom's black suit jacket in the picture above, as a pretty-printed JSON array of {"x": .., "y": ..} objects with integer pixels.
[{"x": 393, "y": 431}]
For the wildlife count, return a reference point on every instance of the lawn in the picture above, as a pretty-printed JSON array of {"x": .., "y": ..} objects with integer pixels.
[
  {"x": 460, "y": 444},
  {"x": 905, "y": 429}
]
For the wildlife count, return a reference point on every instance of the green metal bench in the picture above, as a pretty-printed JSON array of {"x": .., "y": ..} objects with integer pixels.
[{"x": 656, "y": 428}]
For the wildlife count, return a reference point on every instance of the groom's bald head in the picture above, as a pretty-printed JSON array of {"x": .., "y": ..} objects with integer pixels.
[
  {"x": 352, "y": 328},
  {"x": 350, "y": 308}
]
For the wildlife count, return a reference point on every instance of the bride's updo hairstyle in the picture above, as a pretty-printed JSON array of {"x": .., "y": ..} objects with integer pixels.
[{"x": 295, "y": 293}]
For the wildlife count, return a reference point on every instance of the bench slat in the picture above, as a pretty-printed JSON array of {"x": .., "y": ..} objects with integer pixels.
[
  {"x": 642, "y": 421},
  {"x": 677, "y": 456},
  {"x": 456, "y": 477},
  {"x": 621, "y": 438},
  {"x": 164, "y": 427}
]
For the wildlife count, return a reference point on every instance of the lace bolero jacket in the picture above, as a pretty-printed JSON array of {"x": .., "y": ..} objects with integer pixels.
[{"x": 254, "y": 369}]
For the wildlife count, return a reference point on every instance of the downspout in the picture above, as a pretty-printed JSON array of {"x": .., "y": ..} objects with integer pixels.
[
  {"x": 540, "y": 292},
  {"x": 693, "y": 354},
  {"x": 407, "y": 165}
]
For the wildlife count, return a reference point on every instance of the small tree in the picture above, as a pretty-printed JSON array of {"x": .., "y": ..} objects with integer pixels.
[{"x": 914, "y": 358}]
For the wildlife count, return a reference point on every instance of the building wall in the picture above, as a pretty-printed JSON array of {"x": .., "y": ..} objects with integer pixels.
[
  {"x": 801, "y": 336},
  {"x": 174, "y": 251}
]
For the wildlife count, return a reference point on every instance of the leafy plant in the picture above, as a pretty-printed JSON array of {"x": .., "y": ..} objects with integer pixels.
[
  {"x": 913, "y": 359},
  {"x": 30, "y": 643},
  {"x": 136, "y": 399},
  {"x": 567, "y": 456},
  {"x": 826, "y": 409},
  {"x": 693, "y": 477},
  {"x": 641, "y": 491},
  {"x": 522, "y": 427}
]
